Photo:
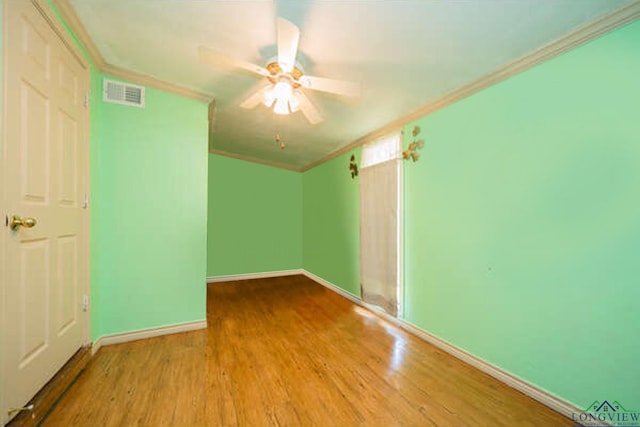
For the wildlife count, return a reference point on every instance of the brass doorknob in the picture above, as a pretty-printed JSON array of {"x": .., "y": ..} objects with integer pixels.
[{"x": 17, "y": 222}]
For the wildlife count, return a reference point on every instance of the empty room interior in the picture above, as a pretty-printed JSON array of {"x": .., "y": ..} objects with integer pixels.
[{"x": 313, "y": 213}]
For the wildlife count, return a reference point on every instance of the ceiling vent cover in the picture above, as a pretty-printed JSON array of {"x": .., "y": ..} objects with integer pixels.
[{"x": 123, "y": 93}]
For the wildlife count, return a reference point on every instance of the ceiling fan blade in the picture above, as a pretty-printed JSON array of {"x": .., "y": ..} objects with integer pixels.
[
  {"x": 255, "y": 98},
  {"x": 308, "y": 109},
  {"x": 288, "y": 36},
  {"x": 219, "y": 59},
  {"x": 337, "y": 87}
]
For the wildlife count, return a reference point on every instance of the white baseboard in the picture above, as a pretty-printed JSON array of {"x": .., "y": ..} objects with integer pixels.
[
  {"x": 249, "y": 276},
  {"x": 554, "y": 402},
  {"x": 146, "y": 333},
  {"x": 546, "y": 398},
  {"x": 348, "y": 295}
]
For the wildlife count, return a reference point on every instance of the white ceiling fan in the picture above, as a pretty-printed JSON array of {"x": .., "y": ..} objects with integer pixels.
[{"x": 284, "y": 79}]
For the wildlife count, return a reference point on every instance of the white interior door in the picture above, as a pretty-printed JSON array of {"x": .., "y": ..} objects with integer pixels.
[{"x": 44, "y": 166}]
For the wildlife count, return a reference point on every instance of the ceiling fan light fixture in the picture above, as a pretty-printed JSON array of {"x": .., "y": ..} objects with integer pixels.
[
  {"x": 294, "y": 102},
  {"x": 284, "y": 82},
  {"x": 282, "y": 90},
  {"x": 269, "y": 98},
  {"x": 281, "y": 107},
  {"x": 282, "y": 94}
]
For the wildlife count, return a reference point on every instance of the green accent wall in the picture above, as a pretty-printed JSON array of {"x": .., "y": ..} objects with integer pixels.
[
  {"x": 148, "y": 177},
  {"x": 95, "y": 92},
  {"x": 522, "y": 220},
  {"x": 522, "y": 223},
  {"x": 331, "y": 223},
  {"x": 255, "y": 218},
  {"x": 150, "y": 214},
  {"x": 79, "y": 45}
]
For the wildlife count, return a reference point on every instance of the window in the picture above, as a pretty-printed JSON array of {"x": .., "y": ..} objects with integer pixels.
[{"x": 380, "y": 221}]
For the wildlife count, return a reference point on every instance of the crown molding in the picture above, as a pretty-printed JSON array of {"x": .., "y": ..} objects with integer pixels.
[
  {"x": 391, "y": 128},
  {"x": 623, "y": 15},
  {"x": 68, "y": 14},
  {"x": 147, "y": 80},
  {"x": 61, "y": 32},
  {"x": 579, "y": 36},
  {"x": 256, "y": 160}
]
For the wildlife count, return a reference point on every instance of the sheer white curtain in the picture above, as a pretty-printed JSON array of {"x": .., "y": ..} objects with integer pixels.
[{"x": 380, "y": 224}]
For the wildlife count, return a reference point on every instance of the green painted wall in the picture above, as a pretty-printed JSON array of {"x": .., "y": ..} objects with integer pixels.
[
  {"x": 151, "y": 213},
  {"x": 56, "y": 12},
  {"x": 148, "y": 173},
  {"x": 148, "y": 210},
  {"x": 331, "y": 223},
  {"x": 522, "y": 223},
  {"x": 255, "y": 218},
  {"x": 95, "y": 94}
]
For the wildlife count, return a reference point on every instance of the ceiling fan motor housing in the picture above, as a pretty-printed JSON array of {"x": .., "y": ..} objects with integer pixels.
[{"x": 275, "y": 72}]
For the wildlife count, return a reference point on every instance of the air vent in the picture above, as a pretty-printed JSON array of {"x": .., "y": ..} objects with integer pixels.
[{"x": 123, "y": 93}]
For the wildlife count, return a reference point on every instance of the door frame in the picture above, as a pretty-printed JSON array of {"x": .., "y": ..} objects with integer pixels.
[{"x": 68, "y": 41}]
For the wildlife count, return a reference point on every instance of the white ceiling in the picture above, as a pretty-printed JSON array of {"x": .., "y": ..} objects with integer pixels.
[{"x": 405, "y": 53}]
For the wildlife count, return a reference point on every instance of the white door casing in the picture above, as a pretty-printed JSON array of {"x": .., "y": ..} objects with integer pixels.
[{"x": 44, "y": 166}]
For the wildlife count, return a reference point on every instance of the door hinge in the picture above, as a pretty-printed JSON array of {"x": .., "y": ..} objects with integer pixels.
[
  {"x": 86, "y": 100},
  {"x": 85, "y": 201},
  {"x": 85, "y": 302}
]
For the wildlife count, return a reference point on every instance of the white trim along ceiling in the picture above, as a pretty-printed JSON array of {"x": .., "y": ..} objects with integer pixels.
[{"x": 410, "y": 57}]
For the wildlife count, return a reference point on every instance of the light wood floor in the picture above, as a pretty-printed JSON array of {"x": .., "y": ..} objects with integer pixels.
[{"x": 289, "y": 352}]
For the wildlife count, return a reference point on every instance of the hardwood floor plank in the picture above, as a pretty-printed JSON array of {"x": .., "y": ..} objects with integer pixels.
[
  {"x": 46, "y": 398},
  {"x": 288, "y": 352}
]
